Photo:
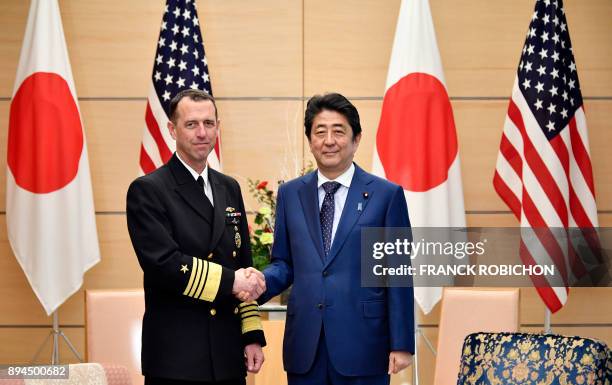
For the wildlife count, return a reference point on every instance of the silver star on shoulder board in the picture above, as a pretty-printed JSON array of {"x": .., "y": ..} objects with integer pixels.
[{"x": 184, "y": 268}]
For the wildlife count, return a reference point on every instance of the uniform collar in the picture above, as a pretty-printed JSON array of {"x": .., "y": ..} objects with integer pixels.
[{"x": 193, "y": 172}]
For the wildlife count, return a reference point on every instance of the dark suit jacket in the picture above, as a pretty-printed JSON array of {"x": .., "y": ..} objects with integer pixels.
[
  {"x": 362, "y": 324},
  {"x": 193, "y": 328}
]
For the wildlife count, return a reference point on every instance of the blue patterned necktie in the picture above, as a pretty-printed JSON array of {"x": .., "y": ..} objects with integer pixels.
[{"x": 327, "y": 214}]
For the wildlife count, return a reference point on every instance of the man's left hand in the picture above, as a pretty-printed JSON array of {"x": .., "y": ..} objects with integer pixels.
[
  {"x": 253, "y": 357},
  {"x": 399, "y": 361}
]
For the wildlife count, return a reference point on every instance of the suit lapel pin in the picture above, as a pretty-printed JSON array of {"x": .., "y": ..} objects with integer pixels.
[
  {"x": 230, "y": 209},
  {"x": 365, "y": 195}
]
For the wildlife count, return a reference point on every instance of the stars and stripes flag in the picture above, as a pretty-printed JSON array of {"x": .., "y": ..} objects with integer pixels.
[
  {"x": 543, "y": 170},
  {"x": 180, "y": 63},
  {"x": 416, "y": 141}
]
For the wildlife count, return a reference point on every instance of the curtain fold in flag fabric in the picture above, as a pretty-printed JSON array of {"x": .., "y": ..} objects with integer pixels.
[
  {"x": 49, "y": 202},
  {"x": 416, "y": 141},
  {"x": 543, "y": 170},
  {"x": 180, "y": 63}
]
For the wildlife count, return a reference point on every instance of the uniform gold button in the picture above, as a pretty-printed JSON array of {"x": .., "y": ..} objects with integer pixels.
[
  {"x": 235, "y": 310},
  {"x": 213, "y": 311},
  {"x": 234, "y": 253},
  {"x": 210, "y": 256}
]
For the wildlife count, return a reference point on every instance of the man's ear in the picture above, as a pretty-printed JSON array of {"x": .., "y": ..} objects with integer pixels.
[{"x": 171, "y": 129}]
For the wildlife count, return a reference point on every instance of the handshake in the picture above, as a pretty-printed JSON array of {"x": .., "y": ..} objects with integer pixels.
[{"x": 249, "y": 284}]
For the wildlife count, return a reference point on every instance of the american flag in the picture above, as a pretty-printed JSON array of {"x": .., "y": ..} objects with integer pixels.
[
  {"x": 543, "y": 170},
  {"x": 180, "y": 63}
]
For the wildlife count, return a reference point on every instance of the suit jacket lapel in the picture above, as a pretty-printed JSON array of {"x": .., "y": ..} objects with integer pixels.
[
  {"x": 353, "y": 207},
  {"x": 187, "y": 188},
  {"x": 309, "y": 198},
  {"x": 220, "y": 203}
]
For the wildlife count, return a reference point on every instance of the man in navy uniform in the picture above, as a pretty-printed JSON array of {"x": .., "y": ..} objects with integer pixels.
[{"x": 189, "y": 229}]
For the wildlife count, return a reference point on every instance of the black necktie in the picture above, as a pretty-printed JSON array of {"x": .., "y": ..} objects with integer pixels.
[
  {"x": 327, "y": 214},
  {"x": 200, "y": 181}
]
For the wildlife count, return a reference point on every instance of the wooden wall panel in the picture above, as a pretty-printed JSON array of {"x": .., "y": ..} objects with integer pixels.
[
  {"x": 260, "y": 139},
  {"x": 113, "y": 132},
  {"x": 509, "y": 220},
  {"x": 111, "y": 58},
  {"x": 108, "y": 57},
  {"x": 13, "y": 15},
  {"x": 584, "y": 305},
  {"x": 264, "y": 58},
  {"x": 479, "y": 42},
  {"x": 19, "y": 345},
  {"x": 348, "y": 53},
  {"x": 599, "y": 333},
  {"x": 118, "y": 268},
  {"x": 4, "y": 122},
  {"x": 254, "y": 50},
  {"x": 479, "y": 127},
  {"x": 590, "y": 28}
]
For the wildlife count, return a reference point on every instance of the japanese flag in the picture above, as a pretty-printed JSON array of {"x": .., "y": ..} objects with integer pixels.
[
  {"x": 416, "y": 142},
  {"x": 49, "y": 204}
]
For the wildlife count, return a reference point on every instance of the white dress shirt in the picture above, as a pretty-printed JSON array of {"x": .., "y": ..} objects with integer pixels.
[
  {"x": 339, "y": 197},
  {"x": 204, "y": 175}
]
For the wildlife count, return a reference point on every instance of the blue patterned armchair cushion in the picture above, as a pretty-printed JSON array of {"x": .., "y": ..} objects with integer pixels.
[{"x": 533, "y": 359}]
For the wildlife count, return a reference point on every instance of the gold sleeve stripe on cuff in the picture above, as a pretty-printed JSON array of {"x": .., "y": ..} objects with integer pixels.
[
  {"x": 247, "y": 304},
  {"x": 192, "y": 276},
  {"x": 247, "y": 309},
  {"x": 249, "y": 314},
  {"x": 202, "y": 279},
  {"x": 250, "y": 324},
  {"x": 196, "y": 282},
  {"x": 213, "y": 282}
]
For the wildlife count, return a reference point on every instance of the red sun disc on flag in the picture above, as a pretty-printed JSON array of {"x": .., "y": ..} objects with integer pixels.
[
  {"x": 45, "y": 137},
  {"x": 416, "y": 139}
]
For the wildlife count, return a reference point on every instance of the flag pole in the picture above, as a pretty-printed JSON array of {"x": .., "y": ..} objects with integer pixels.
[
  {"x": 418, "y": 332},
  {"x": 547, "y": 327},
  {"x": 56, "y": 333}
]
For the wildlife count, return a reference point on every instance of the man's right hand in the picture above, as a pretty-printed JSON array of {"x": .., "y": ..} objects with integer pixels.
[{"x": 249, "y": 284}]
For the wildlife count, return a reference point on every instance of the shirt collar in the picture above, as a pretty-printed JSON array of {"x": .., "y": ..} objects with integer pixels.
[
  {"x": 193, "y": 172},
  {"x": 344, "y": 179}
]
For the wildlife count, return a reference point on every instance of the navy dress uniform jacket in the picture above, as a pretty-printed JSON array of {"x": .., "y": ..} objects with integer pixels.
[{"x": 193, "y": 327}]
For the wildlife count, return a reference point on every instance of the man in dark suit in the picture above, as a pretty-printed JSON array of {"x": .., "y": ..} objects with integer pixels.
[
  {"x": 189, "y": 229},
  {"x": 337, "y": 332}
]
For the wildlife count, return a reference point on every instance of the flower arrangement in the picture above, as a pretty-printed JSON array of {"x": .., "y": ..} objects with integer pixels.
[{"x": 262, "y": 230}]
